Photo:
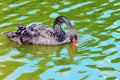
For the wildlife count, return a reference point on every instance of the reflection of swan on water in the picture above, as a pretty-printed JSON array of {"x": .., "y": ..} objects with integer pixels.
[{"x": 42, "y": 35}]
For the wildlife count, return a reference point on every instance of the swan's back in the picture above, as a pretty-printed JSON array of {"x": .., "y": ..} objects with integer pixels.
[{"x": 34, "y": 34}]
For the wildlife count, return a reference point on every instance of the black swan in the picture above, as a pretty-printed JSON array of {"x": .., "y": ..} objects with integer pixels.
[{"x": 43, "y": 35}]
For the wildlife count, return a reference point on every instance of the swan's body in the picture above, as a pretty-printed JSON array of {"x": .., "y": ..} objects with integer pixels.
[{"x": 43, "y": 35}]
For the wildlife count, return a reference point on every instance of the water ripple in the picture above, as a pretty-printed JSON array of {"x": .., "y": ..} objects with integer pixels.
[
  {"x": 43, "y": 3},
  {"x": 116, "y": 24},
  {"x": 56, "y": 6},
  {"x": 107, "y": 42},
  {"x": 54, "y": 15},
  {"x": 92, "y": 12},
  {"x": 10, "y": 15},
  {"x": 53, "y": 73},
  {"x": 23, "y": 69},
  {"x": 74, "y": 7},
  {"x": 5, "y": 24},
  {"x": 17, "y": 5},
  {"x": 116, "y": 35},
  {"x": 117, "y": 4},
  {"x": 106, "y": 14},
  {"x": 33, "y": 11},
  {"x": 104, "y": 4},
  {"x": 22, "y": 18},
  {"x": 65, "y": 3}
]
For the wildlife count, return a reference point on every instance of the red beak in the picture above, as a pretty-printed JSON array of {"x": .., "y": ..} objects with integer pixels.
[{"x": 74, "y": 43}]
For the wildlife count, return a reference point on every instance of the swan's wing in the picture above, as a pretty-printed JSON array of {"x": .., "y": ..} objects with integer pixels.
[{"x": 36, "y": 35}]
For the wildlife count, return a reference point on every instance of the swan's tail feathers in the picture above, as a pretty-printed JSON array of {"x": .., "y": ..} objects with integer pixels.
[
  {"x": 9, "y": 34},
  {"x": 13, "y": 36}
]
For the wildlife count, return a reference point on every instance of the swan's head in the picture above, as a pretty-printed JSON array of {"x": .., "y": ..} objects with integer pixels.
[
  {"x": 72, "y": 34},
  {"x": 73, "y": 37}
]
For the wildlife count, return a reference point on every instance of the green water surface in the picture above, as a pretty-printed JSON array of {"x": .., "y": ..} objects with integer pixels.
[{"x": 97, "y": 56}]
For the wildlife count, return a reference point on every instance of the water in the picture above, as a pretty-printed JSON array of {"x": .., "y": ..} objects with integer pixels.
[{"x": 96, "y": 57}]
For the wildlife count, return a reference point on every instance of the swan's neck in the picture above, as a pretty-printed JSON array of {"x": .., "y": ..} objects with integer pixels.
[
  {"x": 59, "y": 33},
  {"x": 61, "y": 19}
]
